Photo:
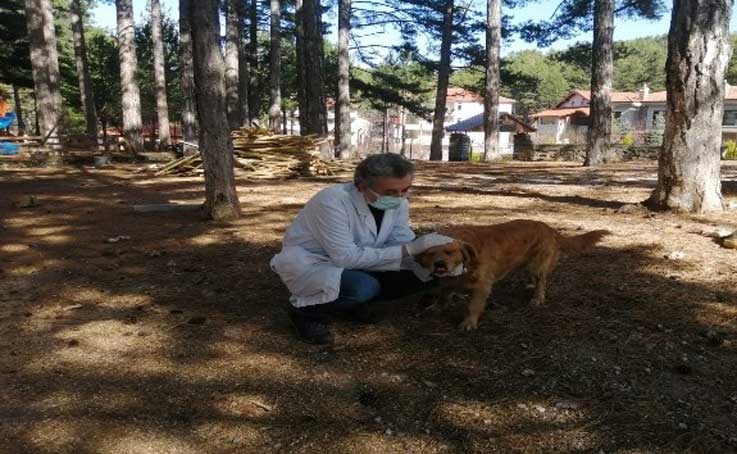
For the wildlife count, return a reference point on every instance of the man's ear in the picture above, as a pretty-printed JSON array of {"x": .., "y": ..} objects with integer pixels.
[{"x": 470, "y": 255}]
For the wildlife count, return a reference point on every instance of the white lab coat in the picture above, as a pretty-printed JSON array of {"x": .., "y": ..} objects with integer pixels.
[{"x": 336, "y": 231}]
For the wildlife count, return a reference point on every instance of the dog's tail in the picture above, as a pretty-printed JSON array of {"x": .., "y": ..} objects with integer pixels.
[{"x": 580, "y": 243}]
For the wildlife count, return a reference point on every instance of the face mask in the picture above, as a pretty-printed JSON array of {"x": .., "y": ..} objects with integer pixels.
[{"x": 386, "y": 202}]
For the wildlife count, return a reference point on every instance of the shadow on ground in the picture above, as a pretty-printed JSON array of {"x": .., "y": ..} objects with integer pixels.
[{"x": 176, "y": 341}]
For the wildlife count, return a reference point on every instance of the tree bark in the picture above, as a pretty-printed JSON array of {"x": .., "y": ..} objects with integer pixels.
[
  {"x": 162, "y": 108},
  {"x": 343, "y": 103},
  {"x": 244, "y": 69},
  {"x": 19, "y": 111},
  {"x": 232, "y": 66},
  {"x": 45, "y": 68},
  {"x": 275, "y": 67},
  {"x": 491, "y": 93},
  {"x": 602, "y": 68},
  {"x": 83, "y": 71},
  {"x": 385, "y": 130},
  {"x": 131, "y": 95},
  {"x": 186, "y": 75},
  {"x": 316, "y": 115},
  {"x": 253, "y": 109},
  {"x": 698, "y": 53},
  {"x": 403, "y": 121},
  {"x": 216, "y": 147},
  {"x": 299, "y": 33},
  {"x": 438, "y": 123},
  {"x": 36, "y": 121}
]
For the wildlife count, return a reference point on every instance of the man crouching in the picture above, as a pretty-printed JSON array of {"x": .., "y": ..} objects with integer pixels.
[{"x": 352, "y": 244}]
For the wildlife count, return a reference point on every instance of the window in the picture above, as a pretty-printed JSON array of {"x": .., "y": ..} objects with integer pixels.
[
  {"x": 459, "y": 106},
  {"x": 730, "y": 118},
  {"x": 617, "y": 115}
]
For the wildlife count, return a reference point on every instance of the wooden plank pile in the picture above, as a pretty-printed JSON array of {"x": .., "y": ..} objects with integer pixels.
[{"x": 260, "y": 154}]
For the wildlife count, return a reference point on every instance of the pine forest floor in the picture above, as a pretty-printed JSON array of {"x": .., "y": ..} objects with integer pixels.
[{"x": 129, "y": 332}]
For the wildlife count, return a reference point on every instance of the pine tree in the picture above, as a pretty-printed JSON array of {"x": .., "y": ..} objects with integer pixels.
[
  {"x": 275, "y": 114},
  {"x": 189, "y": 111},
  {"x": 216, "y": 146},
  {"x": 162, "y": 108},
  {"x": 343, "y": 103},
  {"x": 45, "y": 64},
  {"x": 232, "y": 66},
  {"x": 493, "y": 78},
  {"x": 130, "y": 93},
  {"x": 698, "y": 53},
  {"x": 83, "y": 71}
]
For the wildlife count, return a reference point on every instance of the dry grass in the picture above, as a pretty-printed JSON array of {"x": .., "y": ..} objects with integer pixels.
[{"x": 636, "y": 353}]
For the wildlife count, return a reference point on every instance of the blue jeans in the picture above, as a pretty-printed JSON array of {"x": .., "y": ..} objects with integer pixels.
[{"x": 359, "y": 287}]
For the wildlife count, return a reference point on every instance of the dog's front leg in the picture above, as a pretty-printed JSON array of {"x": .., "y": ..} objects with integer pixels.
[{"x": 479, "y": 296}]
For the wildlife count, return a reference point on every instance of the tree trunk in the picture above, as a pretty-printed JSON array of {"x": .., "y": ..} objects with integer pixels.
[
  {"x": 83, "y": 70},
  {"x": 275, "y": 67},
  {"x": 438, "y": 122},
  {"x": 403, "y": 121},
  {"x": 162, "y": 108},
  {"x": 253, "y": 109},
  {"x": 19, "y": 111},
  {"x": 299, "y": 33},
  {"x": 316, "y": 115},
  {"x": 45, "y": 67},
  {"x": 602, "y": 67},
  {"x": 343, "y": 103},
  {"x": 244, "y": 69},
  {"x": 216, "y": 147},
  {"x": 385, "y": 131},
  {"x": 232, "y": 66},
  {"x": 36, "y": 122},
  {"x": 131, "y": 95},
  {"x": 698, "y": 53},
  {"x": 491, "y": 94},
  {"x": 186, "y": 75}
]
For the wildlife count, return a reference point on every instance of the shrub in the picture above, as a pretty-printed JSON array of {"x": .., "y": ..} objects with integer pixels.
[
  {"x": 731, "y": 147},
  {"x": 628, "y": 139}
]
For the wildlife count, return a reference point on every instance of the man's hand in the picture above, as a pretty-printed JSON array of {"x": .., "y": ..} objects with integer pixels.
[{"x": 425, "y": 242}]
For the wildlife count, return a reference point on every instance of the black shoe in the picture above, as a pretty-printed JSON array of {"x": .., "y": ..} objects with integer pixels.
[
  {"x": 368, "y": 313},
  {"x": 310, "y": 326}
]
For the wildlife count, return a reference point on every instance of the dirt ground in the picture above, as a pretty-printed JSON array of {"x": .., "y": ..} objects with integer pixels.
[{"x": 175, "y": 340}]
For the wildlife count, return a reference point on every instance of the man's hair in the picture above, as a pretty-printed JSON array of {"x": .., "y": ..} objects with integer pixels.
[{"x": 385, "y": 165}]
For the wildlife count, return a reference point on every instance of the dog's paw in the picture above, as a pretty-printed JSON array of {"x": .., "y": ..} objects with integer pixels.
[{"x": 469, "y": 324}]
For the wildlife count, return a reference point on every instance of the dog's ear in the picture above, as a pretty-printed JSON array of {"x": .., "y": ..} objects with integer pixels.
[{"x": 470, "y": 256}]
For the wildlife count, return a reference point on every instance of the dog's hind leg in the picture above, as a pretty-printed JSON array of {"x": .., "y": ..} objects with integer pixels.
[
  {"x": 479, "y": 297},
  {"x": 540, "y": 268}
]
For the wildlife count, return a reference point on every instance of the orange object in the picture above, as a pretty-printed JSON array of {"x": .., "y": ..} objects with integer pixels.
[{"x": 4, "y": 107}]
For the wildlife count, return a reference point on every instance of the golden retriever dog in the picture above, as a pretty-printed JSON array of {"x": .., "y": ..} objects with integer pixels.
[{"x": 488, "y": 253}]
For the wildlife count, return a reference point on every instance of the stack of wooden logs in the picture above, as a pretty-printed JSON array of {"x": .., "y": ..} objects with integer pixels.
[{"x": 260, "y": 154}]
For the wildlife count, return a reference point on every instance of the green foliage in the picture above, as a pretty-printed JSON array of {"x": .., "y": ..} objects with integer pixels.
[
  {"x": 655, "y": 136},
  {"x": 732, "y": 66},
  {"x": 574, "y": 16},
  {"x": 639, "y": 61},
  {"x": 145, "y": 75},
  {"x": 399, "y": 82},
  {"x": 534, "y": 80},
  {"x": 476, "y": 156},
  {"x": 471, "y": 79},
  {"x": 15, "y": 60},
  {"x": 731, "y": 147}
]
